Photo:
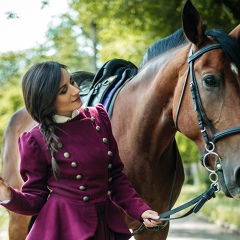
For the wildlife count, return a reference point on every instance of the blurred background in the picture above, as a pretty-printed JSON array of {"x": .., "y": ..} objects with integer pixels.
[{"x": 83, "y": 35}]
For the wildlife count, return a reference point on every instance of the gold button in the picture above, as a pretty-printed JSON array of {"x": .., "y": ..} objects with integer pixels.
[
  {"x": 79, "y": 176},
  {"x": 74, "y": 164},
  {"x": 86, "y": 109},
  {"x": 93, "y": 119},
  {"x": 105, "y": 140},
  {"x": 66, "y": 154},
  {"x": 108, "y": 193},
  {"x": 86, "y": 199},
  {"x": 82, "y": 188},
  {"x": 98, "y": 128},
  {"x": 110, "y": 179},
  {"x": 109, "y": 166},
  {"x": 59, "y": 145},
  {"x": 110, "y": 153}
]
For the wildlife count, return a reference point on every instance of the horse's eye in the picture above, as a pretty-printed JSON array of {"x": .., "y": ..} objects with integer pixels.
[{"x": 210, "y": 81}]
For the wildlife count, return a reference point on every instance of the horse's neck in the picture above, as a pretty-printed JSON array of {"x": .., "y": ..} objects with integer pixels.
[
  {"x": 154, "y": 88},
  {"x": 147, "y": 102}
]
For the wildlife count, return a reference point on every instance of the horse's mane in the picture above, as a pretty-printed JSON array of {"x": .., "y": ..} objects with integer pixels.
[
  {"x": 163, "y": 45},
  {"x": 229, "y": 45}
]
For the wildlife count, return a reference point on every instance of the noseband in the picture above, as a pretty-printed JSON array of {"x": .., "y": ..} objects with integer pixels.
[{"x": 201, "y": 115}]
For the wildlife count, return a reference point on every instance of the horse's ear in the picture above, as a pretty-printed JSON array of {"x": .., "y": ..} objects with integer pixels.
[
  {"x": 192, "y": 24},
  {"x": 235, "y": 33}
]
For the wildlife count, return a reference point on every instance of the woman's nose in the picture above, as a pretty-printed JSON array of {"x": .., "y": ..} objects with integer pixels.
[{"x": 75, "y": 90}]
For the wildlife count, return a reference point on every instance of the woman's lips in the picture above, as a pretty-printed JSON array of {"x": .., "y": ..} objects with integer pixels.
[{"x": 77, "y": 99}]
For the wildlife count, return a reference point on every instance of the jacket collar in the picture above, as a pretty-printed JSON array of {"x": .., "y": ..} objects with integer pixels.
[{"x": 63, "y": 119}]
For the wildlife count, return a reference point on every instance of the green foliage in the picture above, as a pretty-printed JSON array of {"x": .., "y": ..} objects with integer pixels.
[
  {"x": 11, "y": 100},
  {"x": 63, "y": 46},
  {"x": 188, "y": 150},
  {"x": 125, "y": 28},
  {"x": 11, "y": 15},
  {"x": 225, "y": 19},
  {"x": 10, "y": 65}
]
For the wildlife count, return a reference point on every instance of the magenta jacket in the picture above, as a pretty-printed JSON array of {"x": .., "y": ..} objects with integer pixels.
[{"x": 91, "y": 172}]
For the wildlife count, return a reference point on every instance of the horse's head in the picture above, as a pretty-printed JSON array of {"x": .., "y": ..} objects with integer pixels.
[{"x": 212, "y": 117}]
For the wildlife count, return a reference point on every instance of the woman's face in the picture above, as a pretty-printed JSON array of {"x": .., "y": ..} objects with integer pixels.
[{"x": 68, "y": 95}]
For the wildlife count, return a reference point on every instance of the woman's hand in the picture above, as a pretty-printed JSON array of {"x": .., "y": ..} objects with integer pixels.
[
  {"x": 5, "y": 192},
  {"x": 148, "y": 218}
]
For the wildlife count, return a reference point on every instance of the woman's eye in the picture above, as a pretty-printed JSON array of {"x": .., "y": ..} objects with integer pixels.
[
  {"x": 210, "y": 81},
  {"x": 63, "y": 91},
  {"x": 72, "y": 82}
]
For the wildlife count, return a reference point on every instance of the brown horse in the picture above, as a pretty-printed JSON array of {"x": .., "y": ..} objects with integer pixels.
[{"x": 189, "y": 85}]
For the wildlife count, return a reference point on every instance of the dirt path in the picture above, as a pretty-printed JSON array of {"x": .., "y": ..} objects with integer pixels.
[{"x": 195, "y": 228}]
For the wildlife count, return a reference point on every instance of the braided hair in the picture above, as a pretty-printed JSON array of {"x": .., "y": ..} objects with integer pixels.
[{"x": 40, "y": 88}]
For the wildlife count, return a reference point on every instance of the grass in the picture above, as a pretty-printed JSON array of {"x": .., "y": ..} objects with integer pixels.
[{"x": 220, "y": 208}]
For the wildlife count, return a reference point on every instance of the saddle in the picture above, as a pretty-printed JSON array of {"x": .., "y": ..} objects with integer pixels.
[{"x": 105, "y": 85}]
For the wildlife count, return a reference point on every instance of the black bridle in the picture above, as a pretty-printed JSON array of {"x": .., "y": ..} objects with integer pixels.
[{"x": 201, "y": 115}]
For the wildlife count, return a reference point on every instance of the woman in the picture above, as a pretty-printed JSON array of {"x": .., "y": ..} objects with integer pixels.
[{"x": 70, "y": 165}]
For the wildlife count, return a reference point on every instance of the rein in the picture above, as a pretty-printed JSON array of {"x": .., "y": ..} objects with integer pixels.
[{"x": 209, "y": 146}]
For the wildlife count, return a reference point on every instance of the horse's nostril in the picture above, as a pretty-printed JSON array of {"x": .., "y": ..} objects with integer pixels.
[{"x": 237, "y": 176}]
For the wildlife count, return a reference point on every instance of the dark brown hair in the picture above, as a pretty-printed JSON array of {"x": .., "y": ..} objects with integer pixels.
[{"x": 40, "y": 86}]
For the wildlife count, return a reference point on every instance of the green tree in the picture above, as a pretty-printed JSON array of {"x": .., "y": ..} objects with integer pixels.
[
  {"x": 11, "y": 100},
  {"x": 64, "y": 45},
  {"x": 10, "y": 65},
  {"x": 189, "y": 151},
  {"x": 195, "y": 173},
  {"x": 125, "y": 28}
]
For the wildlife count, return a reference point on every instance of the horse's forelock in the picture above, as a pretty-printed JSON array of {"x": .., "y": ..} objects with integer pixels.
[{"x": 229, "y": 45}]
